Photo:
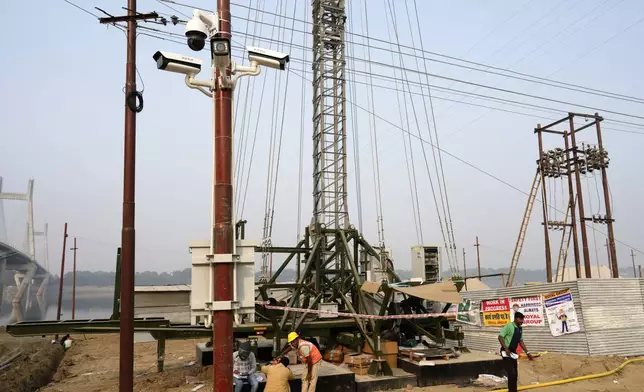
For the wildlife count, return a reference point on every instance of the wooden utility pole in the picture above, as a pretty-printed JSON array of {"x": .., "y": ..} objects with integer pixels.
[
  {"x": 609, "y": 214},
  {"x": 62, "y": 273},
  {"x": 478, "y": 255},
  {"x": 610, "y": 266},
  {"x": 74, "y": 281},
  {"x": 133, "y": 105},
  {"x": 544, "y": 205},
  {"x": 633, "y": 258}
]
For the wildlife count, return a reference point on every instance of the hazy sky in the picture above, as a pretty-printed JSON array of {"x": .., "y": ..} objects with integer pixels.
[{"x": 62, "y": 110}]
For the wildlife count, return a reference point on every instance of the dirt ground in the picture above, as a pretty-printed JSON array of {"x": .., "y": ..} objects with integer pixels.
[
  {"x": 91, "y": 365},
  {"x": 33, "y": 368}
]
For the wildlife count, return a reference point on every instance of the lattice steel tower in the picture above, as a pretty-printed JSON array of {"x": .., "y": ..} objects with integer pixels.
[{"x": 329, "y": 115}]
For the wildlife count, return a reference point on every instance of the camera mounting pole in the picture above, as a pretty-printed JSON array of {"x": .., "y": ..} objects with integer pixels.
[
  {"x": 223, "y": 228},
  {"x": 126, "y": 354}
]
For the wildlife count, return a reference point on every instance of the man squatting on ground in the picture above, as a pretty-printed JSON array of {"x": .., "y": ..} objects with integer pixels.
[
  {"x": 278, "y": 376},
  {"x": 310, "y": 356},
  {"x": 244, "y": 368},
  {"x": 511, "y": 337}
]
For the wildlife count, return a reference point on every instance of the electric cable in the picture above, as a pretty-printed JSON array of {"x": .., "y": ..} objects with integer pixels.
[
  {"x": 450, "y": 91},
  {"x": 476, "y": 168},
  {"x": 354, "y": 120},
  {"x": 82, "y": 9},
  {"x": 443, "y": 181},
  {"x": 488, "y": 66},
  {"x": 473, "y": 166},
  {"x": 411, "y": 171},
  {"x": 374, "y": 138},
  {"x": 300, "y": 171},
  {"x": 242, "y": 145},
  {"x": 281, "y": 132}
]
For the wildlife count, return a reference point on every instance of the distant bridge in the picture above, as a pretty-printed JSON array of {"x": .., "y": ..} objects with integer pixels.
[{"x": 31, "y": 278}]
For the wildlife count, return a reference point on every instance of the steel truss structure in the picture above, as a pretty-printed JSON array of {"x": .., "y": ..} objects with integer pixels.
[{"x": 333, "y": 260}]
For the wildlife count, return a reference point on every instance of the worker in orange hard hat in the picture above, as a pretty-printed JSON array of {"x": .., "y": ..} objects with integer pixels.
[{"x": 310, "y": 356}]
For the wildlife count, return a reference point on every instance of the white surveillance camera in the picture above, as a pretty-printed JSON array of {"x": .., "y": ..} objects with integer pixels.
[
  {"x": 178, "y": 63},
  {"x": 199, "y": 27},
  {"x": 220, "y": 49},
  {"x": 268, "y": 58}
]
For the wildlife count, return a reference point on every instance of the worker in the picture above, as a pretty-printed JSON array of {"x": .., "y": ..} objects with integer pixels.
[
  {"x": 278, "y": 376},
  {"x": 310, "y": 356},
  {"x": 511, "y": 337},
  {"x": 244, "y": 368}
]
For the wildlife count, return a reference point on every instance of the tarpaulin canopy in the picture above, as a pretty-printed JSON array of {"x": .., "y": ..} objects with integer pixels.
[
  {"x": 370, "y": 287},
  {"x": 474, "y": 284},
  {"x": 440, "y": 292}
]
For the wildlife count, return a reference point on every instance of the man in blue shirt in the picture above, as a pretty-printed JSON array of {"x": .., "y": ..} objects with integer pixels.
[{"x": 511, "y": 337}]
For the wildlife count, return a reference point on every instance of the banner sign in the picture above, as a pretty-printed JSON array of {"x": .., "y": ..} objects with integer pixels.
[
  {"x": 496, "y": 313},
  {"x": 560, "y": 310},
  {"x": 468, "y": 313},
  {"x": 531, "y": 307}
]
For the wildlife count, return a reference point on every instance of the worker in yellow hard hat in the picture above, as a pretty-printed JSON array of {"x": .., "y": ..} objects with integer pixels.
[{"x": 309, "y": 355}]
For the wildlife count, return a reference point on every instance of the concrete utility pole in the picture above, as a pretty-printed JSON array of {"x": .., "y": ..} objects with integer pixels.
[
  {"x": 126, "y": 354},
  {"x": 62, "y": 273},
  {"x": 74, "y": 249},
  {"x": 478, "y": 255},
  {"x": 633, "y": 258},
  {"x": 464, "y": 266}
]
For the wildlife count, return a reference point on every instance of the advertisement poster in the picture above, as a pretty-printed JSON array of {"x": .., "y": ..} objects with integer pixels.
[
  {"x": 468, "y": 313},
  {"x": 531, "y": 307},
  {"x": 561, "y": 314},
  {"x": 496, "y": 313}
]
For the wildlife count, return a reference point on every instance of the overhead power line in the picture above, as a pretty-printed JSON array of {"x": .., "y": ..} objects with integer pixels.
[
  {"x": 81, "y": 8},
  {"x": 473, "y": 166},
  {"x": 502, "y": 71},
  {"x": 389, "y": 78}
]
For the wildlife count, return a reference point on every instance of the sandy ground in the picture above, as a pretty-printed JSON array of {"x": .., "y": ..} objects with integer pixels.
[
  {"x": 35, "y": 365},
  {"x": 92, "y": 366}
]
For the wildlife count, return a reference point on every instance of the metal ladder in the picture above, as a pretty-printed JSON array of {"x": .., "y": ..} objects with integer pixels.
[
  {"x": 565, "y": 245},
  {"x": 524, "y": 227}
]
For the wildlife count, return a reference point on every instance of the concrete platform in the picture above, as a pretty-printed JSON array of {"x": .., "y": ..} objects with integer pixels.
[
  {"x": 458, "y": 371},
  {"x": 399, "y": 380},
  {"x": 331, "y": 378}
]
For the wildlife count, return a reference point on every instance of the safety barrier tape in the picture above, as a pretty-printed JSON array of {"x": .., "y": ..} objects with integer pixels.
[{"x": 364, "y": 316}]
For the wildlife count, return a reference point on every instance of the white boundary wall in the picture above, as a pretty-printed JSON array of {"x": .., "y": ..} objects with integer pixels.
[{"x": 610, "y": 313}]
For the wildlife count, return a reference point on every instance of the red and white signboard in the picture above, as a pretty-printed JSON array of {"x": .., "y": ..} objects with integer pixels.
[
  {"x": 496, "y": 312},
  {"x": 531, "y": 307}
]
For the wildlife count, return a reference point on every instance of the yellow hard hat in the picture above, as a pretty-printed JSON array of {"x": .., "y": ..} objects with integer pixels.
[{"x": 292, "y": 336}]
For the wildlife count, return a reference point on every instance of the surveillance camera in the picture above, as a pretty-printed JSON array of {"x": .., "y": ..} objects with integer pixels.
[
  {"x": 268, "y": 58},
  {"x": 197, "y": 33},
  {"x": 199, "y": 27},
  {"x": 179, "y": 63},
  {"x": 220, "y": 50}
]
